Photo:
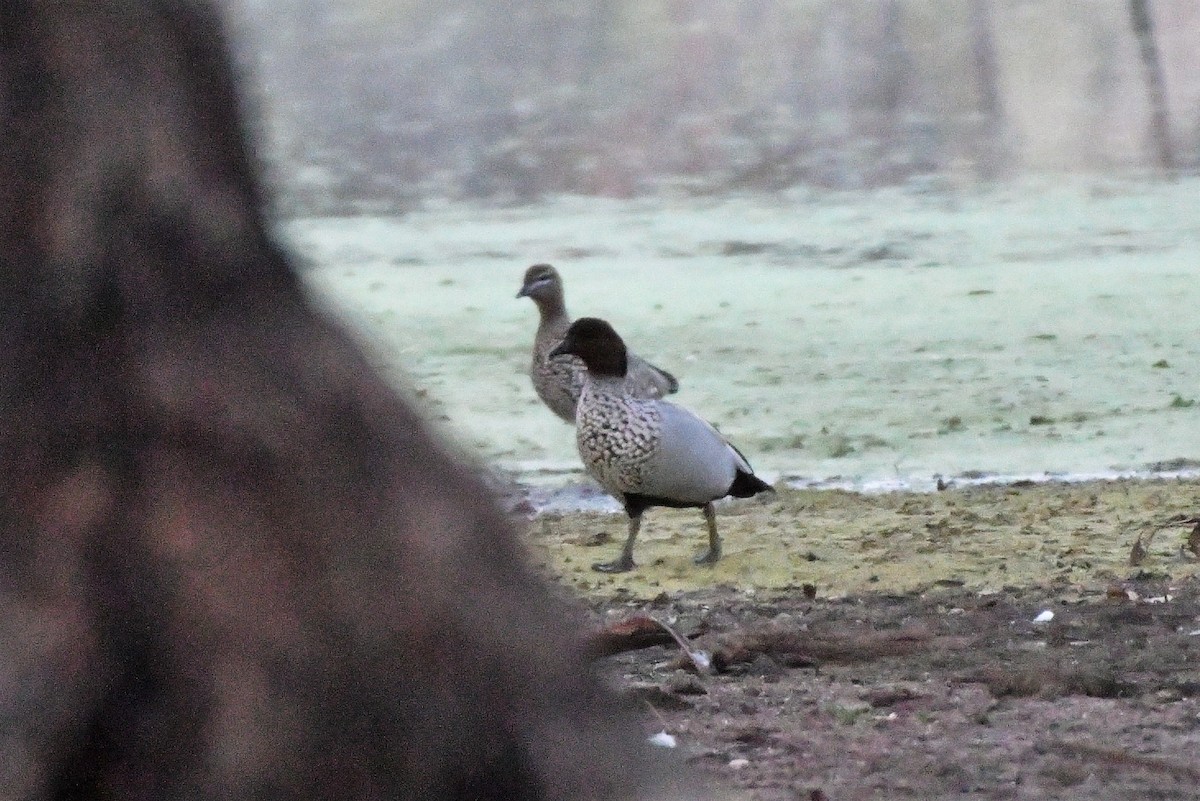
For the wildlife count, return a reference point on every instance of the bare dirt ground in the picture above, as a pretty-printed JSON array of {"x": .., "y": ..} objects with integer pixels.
[{"x": 901, "y": 646}]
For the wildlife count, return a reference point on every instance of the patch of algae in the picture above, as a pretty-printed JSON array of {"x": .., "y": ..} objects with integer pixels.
[{"x": 1075, "y": 537}]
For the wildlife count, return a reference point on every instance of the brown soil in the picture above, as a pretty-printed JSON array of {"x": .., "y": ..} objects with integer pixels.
[{"x": 917, "y": 668}]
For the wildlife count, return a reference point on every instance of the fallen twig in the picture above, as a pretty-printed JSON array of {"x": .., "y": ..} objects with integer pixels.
[
  {"x": 1137, "y": 554},
  {"x": 804, "y": 648},
  {"x": 630, "y": 634},
  {"x": 643, "y": 631}
]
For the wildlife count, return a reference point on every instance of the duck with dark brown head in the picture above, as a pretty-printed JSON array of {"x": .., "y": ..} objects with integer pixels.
[{"x": 647, "y": 452}]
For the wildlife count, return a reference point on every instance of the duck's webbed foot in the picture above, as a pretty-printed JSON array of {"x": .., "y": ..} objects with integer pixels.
[{"x": 622, "y": 564}]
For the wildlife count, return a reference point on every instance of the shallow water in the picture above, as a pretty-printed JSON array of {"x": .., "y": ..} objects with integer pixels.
[
  {"x": 866, "y": 340},
  {"x": 565, "y": 491}
]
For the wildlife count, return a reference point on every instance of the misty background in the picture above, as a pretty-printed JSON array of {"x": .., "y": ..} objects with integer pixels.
[
  {"x": 371, "y": 105},
  {"x": 878, "y": 241}
]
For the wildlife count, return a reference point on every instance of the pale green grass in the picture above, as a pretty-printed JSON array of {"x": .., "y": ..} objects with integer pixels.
[{"x": 1048, "y": 326}]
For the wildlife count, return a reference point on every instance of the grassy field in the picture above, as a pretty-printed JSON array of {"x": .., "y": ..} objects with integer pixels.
[{"x": 879, "y": 338}]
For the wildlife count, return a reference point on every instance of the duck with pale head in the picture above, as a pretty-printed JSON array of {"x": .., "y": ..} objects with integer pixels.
[{"x": 559, "y": 380}]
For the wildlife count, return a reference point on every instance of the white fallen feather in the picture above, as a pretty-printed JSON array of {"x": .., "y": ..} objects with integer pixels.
[
  {"x": 1044, "y": 617},
  {"x": 662, "y": 740}
]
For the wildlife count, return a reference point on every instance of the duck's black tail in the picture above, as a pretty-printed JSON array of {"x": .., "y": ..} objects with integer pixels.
[{"x": 747, "y": 485}]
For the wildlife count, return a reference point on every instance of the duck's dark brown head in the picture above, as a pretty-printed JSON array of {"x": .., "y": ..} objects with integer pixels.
[
  {"x": 600, "y": 347},
  {"x": 542, "y": 283}
]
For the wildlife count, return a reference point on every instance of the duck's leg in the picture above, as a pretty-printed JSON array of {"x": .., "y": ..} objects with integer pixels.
[
  {"x": 624, "y": 562},
  {"x": 713, "y": 553}
]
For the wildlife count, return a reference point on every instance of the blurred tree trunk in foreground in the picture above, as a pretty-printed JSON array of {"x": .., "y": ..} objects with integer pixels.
[{"x": 235, "y": 564}]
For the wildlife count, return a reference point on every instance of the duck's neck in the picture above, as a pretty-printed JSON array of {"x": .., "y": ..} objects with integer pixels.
[
  {"x": 553, "y": 311},
  {"x": 606, "y": 384}
]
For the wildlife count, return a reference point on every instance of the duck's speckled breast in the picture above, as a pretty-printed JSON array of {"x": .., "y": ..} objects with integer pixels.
[{"x": 617, "y": 435}]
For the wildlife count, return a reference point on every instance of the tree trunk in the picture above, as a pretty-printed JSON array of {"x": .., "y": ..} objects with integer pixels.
[
  {"x": 991, "y": 133},
  {"x": 1160, "y": 121},
  {"x": 233, "y": 562}
]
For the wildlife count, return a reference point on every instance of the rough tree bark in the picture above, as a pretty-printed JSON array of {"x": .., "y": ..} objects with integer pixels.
[{"x": 233, "y": 564}]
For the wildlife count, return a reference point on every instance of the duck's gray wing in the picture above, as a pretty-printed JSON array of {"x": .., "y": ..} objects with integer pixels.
[
  {"x": 692, "y": 462},
  {"x": 647, "y": 381}
]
